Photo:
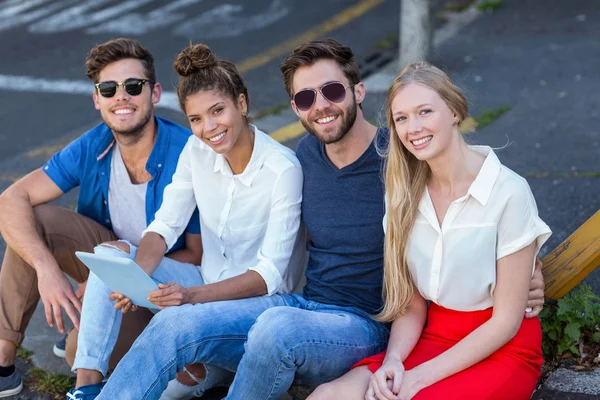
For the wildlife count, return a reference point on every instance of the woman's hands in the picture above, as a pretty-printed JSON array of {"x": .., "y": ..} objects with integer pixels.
[
  {"x": 393, "y": 382},
  {"x": 169, "y": 294}
]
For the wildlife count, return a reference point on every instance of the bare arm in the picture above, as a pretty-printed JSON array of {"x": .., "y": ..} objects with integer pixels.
[
  {"x": 150, "y": 252},
  {"x": 535, "y": 302},
  {"x": 404, "y": 335},
  {"x": 192, "y": 252},
  {"x": 18, "y": 226},
  {"x": 17, "y": 221},
  {"x": 248, "y": 284},
  {"x": 510, "y": 296}
]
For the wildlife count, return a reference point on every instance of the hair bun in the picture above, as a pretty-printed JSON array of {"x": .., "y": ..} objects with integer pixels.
[{"x": 194, "y": 58}]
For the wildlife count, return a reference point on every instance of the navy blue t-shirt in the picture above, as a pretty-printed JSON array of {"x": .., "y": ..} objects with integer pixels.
[{"x": 343, "y": 211}]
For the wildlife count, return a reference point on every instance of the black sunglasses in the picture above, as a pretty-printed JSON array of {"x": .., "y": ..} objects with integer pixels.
[
  {"x": 332, "y": 91},
  {"x": 133, "y": 87}
]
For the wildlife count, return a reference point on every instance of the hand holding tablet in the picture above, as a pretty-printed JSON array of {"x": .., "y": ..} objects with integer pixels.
[{"x": 121, "y": 275}]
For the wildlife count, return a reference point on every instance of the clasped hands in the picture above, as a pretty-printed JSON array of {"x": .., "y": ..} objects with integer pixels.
[{"x": 392, "y": 382}]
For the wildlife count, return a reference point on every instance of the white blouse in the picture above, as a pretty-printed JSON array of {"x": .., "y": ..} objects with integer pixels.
[
  {"x": 455, "y": 265},
  {"x": 249, "y": 221}
]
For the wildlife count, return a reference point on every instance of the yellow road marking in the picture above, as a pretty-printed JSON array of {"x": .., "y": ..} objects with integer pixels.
[
  {"x": 288, "y": 132},
  {"x": 331, "y": 24}
]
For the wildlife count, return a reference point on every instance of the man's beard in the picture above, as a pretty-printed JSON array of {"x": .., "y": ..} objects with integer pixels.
[
  {"x": 348, "y": 118},
  {"x": 133, "y": 134}
]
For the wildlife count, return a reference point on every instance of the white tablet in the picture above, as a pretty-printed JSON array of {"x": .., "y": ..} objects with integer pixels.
[{"x": 121, "y": 275}]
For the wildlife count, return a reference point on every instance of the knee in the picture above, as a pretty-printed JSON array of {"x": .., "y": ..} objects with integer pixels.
[
  {"x": 45, "y": 215},
  {"x": 326, "y": 391},
  {"x": 277, "y": 328},
  {"x": 116, "y": 245}
]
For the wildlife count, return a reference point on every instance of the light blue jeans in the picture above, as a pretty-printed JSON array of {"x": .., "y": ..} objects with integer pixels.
[
  {"x": 100, "y": 322},
  {"x": 284, "y": 337}
]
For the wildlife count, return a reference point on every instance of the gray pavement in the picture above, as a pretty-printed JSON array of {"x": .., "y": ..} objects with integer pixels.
[{"x": 540, "y": 58}]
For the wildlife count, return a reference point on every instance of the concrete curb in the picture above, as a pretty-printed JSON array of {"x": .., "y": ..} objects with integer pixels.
[
  {"x": 566, "y": 380},
  {"x": 381, "y": 81}
]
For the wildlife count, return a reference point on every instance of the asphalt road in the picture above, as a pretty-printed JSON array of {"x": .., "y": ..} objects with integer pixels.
[{"x": 44, "y": 95}]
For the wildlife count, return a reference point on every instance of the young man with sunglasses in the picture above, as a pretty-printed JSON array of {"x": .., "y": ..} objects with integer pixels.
[
  {"x": 121, "y": 167},
  {"x": 316, "y": 336}
]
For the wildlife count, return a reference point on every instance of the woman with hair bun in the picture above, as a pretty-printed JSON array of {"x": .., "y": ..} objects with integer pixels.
[
  {"x": 248, "y": 190},
  {"x": 462, "y": 231}
]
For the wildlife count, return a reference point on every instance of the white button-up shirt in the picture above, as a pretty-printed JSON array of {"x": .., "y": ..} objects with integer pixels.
[
  {"x": 249, "y": 221},
  {"x": 454, "y": 265}
]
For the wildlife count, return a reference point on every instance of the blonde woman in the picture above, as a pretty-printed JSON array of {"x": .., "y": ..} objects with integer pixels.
[{"x": 462, "y": 231}]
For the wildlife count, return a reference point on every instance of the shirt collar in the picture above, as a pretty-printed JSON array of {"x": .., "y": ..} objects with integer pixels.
[
  {"x": 480, "y": 189},
  {"x": 254, "y": 165},
  {"x": 159, "y": 150},
  {"x": 482, "y": 186}
]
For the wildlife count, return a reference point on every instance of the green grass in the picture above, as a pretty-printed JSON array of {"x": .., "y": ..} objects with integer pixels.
[
  {"x": 275, "y": 110},
  {"x": 457, "y": 6},
  {"x": 56, "y": 385},
  {"x": 24, "y": 354},
  {"x": 489, "y": 5},
  {"x": 388, "y": 43},
  {"x": 487, "y": 117}
]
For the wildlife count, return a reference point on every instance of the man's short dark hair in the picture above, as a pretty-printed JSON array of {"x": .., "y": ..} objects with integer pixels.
[
  {"x": 116, "y": 50},
  {"x": 309, "y": 53}
]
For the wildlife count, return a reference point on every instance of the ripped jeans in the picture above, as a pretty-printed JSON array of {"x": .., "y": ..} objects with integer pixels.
[{"x": 100, "y": 322}]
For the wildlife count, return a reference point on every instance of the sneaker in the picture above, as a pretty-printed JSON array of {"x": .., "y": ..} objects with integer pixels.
[
  {"x": 178, "y": 391},
  {"x": 215, "y": 377},
  {"x": 87, "y": 392},
  {"x": 11, "y": 385},
  {"x": 60, "y": 346}
]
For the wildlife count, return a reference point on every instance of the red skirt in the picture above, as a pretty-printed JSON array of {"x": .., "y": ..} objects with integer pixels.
[{"x": 509, "y": 373}]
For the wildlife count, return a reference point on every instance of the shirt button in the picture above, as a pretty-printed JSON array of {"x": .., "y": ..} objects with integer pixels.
[
  {"x": 159, "y": 165},
  {"x": 105, "y": 202},
  {"x": 108, "y": 221}
]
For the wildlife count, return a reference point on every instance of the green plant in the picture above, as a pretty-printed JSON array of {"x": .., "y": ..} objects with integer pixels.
[
  {"x": 489, "y": 5},
  {"x": 24, "y": 354},
  {"x": 274, "y": 110},
  {"x": 488, "y": 116},
  {"x": 56, "y": 385},
  {"x": 571, "y": 322}
]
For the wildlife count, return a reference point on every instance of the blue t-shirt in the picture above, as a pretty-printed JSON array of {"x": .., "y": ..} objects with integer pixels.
[
  {"x": 86, "y": 161},
  {"x": 343, "y": 212}
]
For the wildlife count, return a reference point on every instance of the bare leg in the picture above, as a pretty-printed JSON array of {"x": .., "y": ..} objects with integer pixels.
[
  {"x": 351, "y": 386},
  {"x": 7, "y": 353},
  {"x": 88, "y": 377},
  {"x": 197, "y": 370}
]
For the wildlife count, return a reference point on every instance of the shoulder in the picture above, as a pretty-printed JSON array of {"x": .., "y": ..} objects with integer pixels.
[
  {"x": 175, "y": 133},
  {"x": 277, "y": 157},
  {"x": 93, "y": 142},
  {"x": 308, "y": 144},
  {"x": 512, "y": 188}
]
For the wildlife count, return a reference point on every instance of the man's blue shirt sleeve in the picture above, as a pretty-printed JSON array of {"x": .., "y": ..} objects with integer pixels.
[{"x": 66, "y": 166}]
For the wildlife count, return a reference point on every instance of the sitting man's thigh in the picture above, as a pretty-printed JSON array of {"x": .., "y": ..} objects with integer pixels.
[{"x": 322, "y": 345}]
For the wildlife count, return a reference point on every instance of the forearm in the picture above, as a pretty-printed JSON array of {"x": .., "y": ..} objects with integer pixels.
[
  {"x": 248, "y": 284},
  {"x": 150, "y": 252},
  {"x": 478, "y": 345},
  {"x": 186, "y": 255},
  {"x": 18, "y": 227},
  {"x": 407, "y": 329}
]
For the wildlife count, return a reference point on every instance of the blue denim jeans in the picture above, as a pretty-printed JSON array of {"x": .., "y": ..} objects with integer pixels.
[
  {"x": 283, "y": 337},
  {"x": 100, "y": 322}
]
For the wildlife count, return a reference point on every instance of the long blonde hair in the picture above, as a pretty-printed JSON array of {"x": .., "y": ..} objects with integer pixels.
[{"x": 405, "y": 180}]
